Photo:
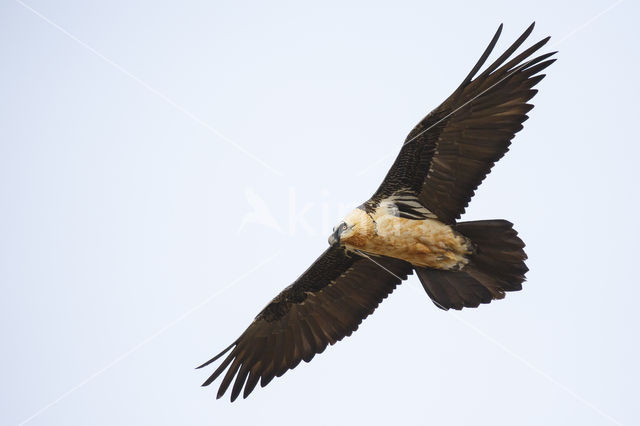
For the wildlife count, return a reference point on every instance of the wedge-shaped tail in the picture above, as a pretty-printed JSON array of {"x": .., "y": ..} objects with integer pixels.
[{"x": 496, "y": 267}]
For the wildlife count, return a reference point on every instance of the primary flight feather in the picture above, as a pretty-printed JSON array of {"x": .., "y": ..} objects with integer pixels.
[{"x": 408, "y": 225}]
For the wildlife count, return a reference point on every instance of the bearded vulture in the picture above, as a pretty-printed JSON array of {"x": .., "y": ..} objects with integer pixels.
[{"x": 408, "y": 225}]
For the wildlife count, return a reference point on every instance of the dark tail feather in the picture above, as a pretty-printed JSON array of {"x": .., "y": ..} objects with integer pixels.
[{"x": 496, "y": 267}]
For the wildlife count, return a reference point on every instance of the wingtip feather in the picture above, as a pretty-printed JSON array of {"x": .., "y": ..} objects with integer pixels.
[{"x": 215, "y": 358}]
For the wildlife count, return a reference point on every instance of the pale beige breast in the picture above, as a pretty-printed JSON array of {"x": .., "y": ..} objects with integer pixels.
[{"x": 427, "y": 243}]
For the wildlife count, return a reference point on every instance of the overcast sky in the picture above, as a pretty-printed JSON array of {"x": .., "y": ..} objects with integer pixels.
[{"x": 167, "y": 168}]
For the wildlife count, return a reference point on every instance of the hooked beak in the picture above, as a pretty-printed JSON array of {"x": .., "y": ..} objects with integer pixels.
[{"x": 334, "y": 239}]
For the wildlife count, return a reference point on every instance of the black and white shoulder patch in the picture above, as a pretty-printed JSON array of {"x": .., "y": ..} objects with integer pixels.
[{"x": 406, "y": 205}]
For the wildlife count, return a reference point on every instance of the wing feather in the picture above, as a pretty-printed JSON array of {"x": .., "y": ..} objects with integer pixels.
[
  {"x": 327, "y": 303},
  {"x": 449, "y": 153}
]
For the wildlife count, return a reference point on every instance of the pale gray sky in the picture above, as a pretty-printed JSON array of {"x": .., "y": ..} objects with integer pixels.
[{"x": 167, "y": 168}]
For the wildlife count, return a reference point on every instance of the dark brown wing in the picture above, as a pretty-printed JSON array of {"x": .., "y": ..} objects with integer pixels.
[
  {"x": 448, "y": 154},
  {"x": 325, "y": 304}
]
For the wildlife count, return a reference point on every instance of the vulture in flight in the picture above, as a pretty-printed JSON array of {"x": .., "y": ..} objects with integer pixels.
[{"x": 409, "y": 224}]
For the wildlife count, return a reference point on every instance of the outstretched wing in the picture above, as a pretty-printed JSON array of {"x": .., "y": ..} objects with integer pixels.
[
  {"x": 449, "y": 153},
  {"x": 325, "y": 304}
]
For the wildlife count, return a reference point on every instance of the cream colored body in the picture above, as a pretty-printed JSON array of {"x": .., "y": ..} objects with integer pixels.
[{"x": 428, "y": 243}]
